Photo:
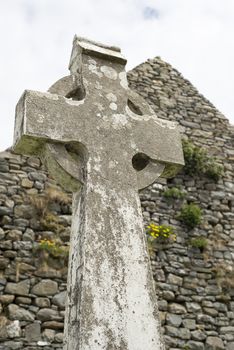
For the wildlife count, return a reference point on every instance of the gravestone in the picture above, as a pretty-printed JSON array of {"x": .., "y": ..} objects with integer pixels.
[{"x": 103, "y": 142}]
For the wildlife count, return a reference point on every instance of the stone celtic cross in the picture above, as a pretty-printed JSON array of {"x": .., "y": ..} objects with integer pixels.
[{"x": 103, "y": 142}]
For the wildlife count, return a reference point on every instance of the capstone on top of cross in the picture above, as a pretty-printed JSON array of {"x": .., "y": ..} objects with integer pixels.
[{"x": 93, "y": 48}]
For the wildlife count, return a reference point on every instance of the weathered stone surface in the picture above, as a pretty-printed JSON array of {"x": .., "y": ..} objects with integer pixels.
[
  {"x": 49, "y": 335},
  {"x": 21, "y": 245},
  {"x": 20, "y": 288},
  {"x": 33, "y": 332},
  {"x": 29, "y": 235},
  {"x": 59, "y": 337},
  {"x": 214, "y": 343},
  {"x": 17, "y": 313},
  {"x": 34, "y": 162},
  {"x": 120, "y": 116},
  {"x": 174, "y": 320},
  {"x": 5, "y": 245},
  {"x": 26, "y": 268},
  {"x": 13, "y": 345},
  {"x": 3, "y": 263},
  {"x": 60, "y": 299},
  {"x": 172, "y": 331},
  {"x": 5, "y": 210},
  {"x": 23, "y": 211},
  {"x": 177, "y": 309},
  {"x": 45, "y": 287},
  {"x": 189, "y": 324},
  {"x": 14, "y": 235},
  {"x": 2, "y": 233},
  {"x": 173, "y": 279},
  {"x": 6, "y": 299},
  {"x": 230, "y": 346},
  {"x": 37, "y": 176},
  {"x": 193, "y": 307},
  {"x": 195, "y": 345},
  {"x": 199, "y": 279},
  {"x": 53, "y": 325},
  {"x": 26, "y": 183},
  {"x": 3, "y": 324},
  {"x": 184, "y": 333},
  {"x": 198, "y": 335},
  {"x": 48, "y": 314},
  {"x": 23, "y": 300},
  {"x": 42, "y": 302},
  {"x": 13, "y": 329},
  {"x": 225, "y": 330},
  {"x": 42, "y": 343}
]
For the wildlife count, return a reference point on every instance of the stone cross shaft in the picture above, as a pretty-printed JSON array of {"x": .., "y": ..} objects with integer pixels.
[{"x": 103, "y": 142}]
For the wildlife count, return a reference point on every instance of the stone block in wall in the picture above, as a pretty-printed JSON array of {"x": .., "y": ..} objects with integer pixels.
[
  {"x": 173, "y": 320},
  {"x": 3, "y": 263},
  {"x": 59, "y": 337},
  {"x": 18, "y": 313},
  {"x": 33, "y": 332},
  {"x": 42, "y": 302},
  {"x": 53, "y": 325},
  {"x": 45, "y": 288},
  {"x": 49, "y": 315},
  {"x": 26, "y": 183},
  {"x": 230, "y": 346},
  {"x": 173, "y": 279},
  {"x": 195, "y": 345},
  {"x": 14, "y": 235},
  {"x": 178, "y": 309},
  {"x": 23, "y": 300},
  {"x": 23, "y": 211},
  {"x": 60, "y": 299},
  {"x": 13, "y": 329},
  {"x": 37, "y": 176},
  {"x": 12, "y": 345},
  {"x": 6, "y": 299},
  {"x": 49, "y": 335},
  {"x": 214, "y": 343},
  {"x": 2, "y": 234},
  {"x": 9, "y": 329},
  {"x": 20, "y": 288}
]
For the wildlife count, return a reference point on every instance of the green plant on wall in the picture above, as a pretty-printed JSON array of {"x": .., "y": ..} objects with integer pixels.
[
  {"x": 50, "y": 222},
  {"x": 50, "y": 251},
  {"x": 198, "y": 162},
  {"x": 190, "y": 215},
  {"x": 42, "y": 203},
  {"x": 224, "y": 275},
  {"x": 54, "y": 248},
  {"x": 159, "y": 234},
  {"x": 214, "y": 170},
  {"x": 174, "y": 193},
  {"x": 199, "y": 242}
]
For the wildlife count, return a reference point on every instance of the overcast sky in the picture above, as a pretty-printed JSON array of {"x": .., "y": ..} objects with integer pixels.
[{"x": 195, "y": 36}]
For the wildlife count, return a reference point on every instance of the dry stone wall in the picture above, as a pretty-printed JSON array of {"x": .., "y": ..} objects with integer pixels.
[
  {"x": 32, "y": 284},
  {"x": 195, "y": 288}
]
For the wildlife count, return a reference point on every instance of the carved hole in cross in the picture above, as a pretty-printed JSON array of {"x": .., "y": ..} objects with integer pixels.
[
  {"x": 140, "y": 161},
  {"x": 77, "y": 94},
  {"x": 77, "y": 151},
  {"x": 134, "y": 108}
]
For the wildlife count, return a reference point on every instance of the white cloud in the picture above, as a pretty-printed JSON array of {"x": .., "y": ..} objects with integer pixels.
[{"x": 194, "y": 36}]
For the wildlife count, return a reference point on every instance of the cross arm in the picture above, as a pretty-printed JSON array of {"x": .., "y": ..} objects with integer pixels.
[
  {"x": 45, "y": 117},
  {"x": 159, "y": 143}
]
